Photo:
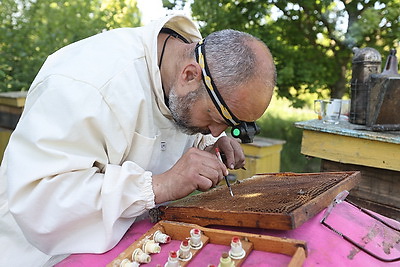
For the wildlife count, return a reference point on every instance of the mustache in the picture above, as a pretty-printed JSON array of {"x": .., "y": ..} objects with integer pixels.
[{"x": 189, "y": 129}]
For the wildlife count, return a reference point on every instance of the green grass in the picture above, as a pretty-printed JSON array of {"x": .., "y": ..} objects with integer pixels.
[{"x": 278, "y": 123}]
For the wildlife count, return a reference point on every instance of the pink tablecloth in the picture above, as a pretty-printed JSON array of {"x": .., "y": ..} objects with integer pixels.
[{"x": 325, "y": 247}]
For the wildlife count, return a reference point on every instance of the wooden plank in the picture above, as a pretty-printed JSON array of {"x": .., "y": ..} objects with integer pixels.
[
  {"x": 281, "y": 201},
  {"x": 351, "y": 150},
  {"x": 206, "y": 217},
  {"x": 15, "y": 99},
  {"x": 11, "y": 109},
  {"x": 303, "y": 213},
  {"x": 180, "y": 231},
  {"x": 348, "y": 129},
  {"x": 9, "y": 120},
  {"x": 378, "y": 190},
  {"x": 265, "y": 243},
  {"x": 262, "y": 156},
  {"x": 127, "y": 253},
  {"x": 298, "y": 258},
  {"x": 9, "y": 116},
  {"x": 382, "y": 209},
  {"x": 4, "y": 137},
  {"x": 258, "y": 147}
]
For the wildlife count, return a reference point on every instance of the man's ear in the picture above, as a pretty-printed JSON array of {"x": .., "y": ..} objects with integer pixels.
[{"x": 191, "y": 73}]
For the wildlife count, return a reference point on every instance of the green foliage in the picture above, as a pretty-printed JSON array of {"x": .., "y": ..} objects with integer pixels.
[
  {"x": 32, "y": 29},
  {"x": 308, "y": 39}
]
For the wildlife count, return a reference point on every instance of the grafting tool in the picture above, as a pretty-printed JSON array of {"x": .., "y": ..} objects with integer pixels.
[
  {"x": 338, "y": 199},
  {"x": 224, "y": 158},
  {"x": 225, "y": 177}
]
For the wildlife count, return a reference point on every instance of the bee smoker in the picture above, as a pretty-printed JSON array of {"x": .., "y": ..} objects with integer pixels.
[
  {"x": 366, "y": 61},
  {"x": 384, "y": 98}
]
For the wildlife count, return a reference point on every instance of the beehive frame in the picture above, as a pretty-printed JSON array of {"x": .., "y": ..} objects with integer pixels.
[{"x": 304, "y": 200}]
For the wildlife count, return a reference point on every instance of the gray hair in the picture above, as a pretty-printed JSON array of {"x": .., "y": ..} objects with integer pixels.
[{"x": 231, "y": 60}]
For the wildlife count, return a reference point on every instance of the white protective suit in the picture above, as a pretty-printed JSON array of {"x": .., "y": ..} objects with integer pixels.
[{"x": 78, "y": 168}]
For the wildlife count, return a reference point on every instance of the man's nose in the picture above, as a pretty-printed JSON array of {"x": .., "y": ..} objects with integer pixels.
[{"x": 217, "y": 129}]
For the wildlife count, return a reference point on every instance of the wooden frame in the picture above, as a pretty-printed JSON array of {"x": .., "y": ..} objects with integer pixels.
[
  {"x": 279, "y": 221},
  {"x": 180, "y": 231}
]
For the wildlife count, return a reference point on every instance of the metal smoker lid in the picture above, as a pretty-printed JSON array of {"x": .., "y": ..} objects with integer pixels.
[
  {"x": 366, "y": 54},
  {"x": 391, "y": 66}
]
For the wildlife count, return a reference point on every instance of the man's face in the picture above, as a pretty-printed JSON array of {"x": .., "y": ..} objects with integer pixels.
[{"x": 181, "y": 108}]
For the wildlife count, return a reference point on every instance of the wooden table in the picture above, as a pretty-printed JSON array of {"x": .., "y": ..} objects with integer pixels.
[
  {"x": 324, "y": 246},
  {"x": 346, "y": 147}
]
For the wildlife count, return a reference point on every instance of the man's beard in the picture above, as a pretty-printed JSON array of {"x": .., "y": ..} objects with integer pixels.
[{"x": 181, "y": 110}]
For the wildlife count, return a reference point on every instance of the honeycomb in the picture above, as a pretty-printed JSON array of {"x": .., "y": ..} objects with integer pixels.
[{"x": 265, "y": 193}]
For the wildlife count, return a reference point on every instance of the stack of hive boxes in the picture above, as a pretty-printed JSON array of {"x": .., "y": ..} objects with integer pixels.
[{"x": 11, "y": 106}]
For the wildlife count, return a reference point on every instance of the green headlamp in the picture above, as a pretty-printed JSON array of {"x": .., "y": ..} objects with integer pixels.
[{"x": 245, "y": 131}]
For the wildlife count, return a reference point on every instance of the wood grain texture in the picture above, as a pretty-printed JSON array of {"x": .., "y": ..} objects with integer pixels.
[
  {"x": 352, "y": 150},
  {"x": 378, "y": 190},
  {"x": 281, "y": 201},
  {"x": 180, "y": 231}
]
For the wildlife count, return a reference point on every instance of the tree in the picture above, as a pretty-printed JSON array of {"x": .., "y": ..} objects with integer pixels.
[
  {"x": 32, "y": 29},
  {"x": 311, "y": 40}
]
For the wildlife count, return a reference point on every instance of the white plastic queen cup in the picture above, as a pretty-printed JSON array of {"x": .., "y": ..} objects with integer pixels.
[
  {"x": 236, "y": 252},
  {"x": 172, "y": 260},
  {"x": 184, "y": 253},
  {"x": 160, "y": 237},
  {"x": 195, "y": 239},
  {"x": 140, "y": 256}
]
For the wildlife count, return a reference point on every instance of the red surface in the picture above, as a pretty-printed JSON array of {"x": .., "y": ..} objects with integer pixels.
[{"x": 325, "y": 247}]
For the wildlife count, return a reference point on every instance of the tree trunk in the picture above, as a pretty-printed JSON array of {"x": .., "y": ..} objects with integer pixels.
[{"x": 340, "y": 87}]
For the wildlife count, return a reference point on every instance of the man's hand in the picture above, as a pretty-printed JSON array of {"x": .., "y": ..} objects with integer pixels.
[
  {"x": 196, "y": 169},
  {"x": 234, "y": 156}
]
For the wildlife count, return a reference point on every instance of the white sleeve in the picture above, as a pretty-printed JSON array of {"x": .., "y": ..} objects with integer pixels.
[
  {"x": 69, "y": 187},
  {"x": 202, "y": 141}
]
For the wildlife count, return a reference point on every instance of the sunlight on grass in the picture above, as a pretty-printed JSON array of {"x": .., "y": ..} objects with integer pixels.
[
  {"x": 280, "y": 108},
  {"x": 278, "y": 123}
]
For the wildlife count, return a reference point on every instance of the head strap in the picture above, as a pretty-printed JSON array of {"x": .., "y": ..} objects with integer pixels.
[
  {"x": 240, "y": 129},
  {"x": 212, "y": 90}
]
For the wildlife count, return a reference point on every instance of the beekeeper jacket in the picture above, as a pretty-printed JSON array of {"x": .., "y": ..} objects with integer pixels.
[{"x": 78, "y": 168}]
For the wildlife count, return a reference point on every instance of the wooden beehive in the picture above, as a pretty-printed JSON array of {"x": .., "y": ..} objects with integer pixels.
[
  {"x": 11, "y": 107},
  {"x": 281, "y": 201}
]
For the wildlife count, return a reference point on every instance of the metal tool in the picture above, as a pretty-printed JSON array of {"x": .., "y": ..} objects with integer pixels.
[
  {"x": 338, "y": 199},
  {"x": 224, "y": 159},
  {"x": 225, "y": 177},
  {"x": 342, "y": 197}
]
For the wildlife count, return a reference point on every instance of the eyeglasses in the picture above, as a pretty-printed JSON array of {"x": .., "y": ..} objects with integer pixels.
[{"x": 240, "y": 129}]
